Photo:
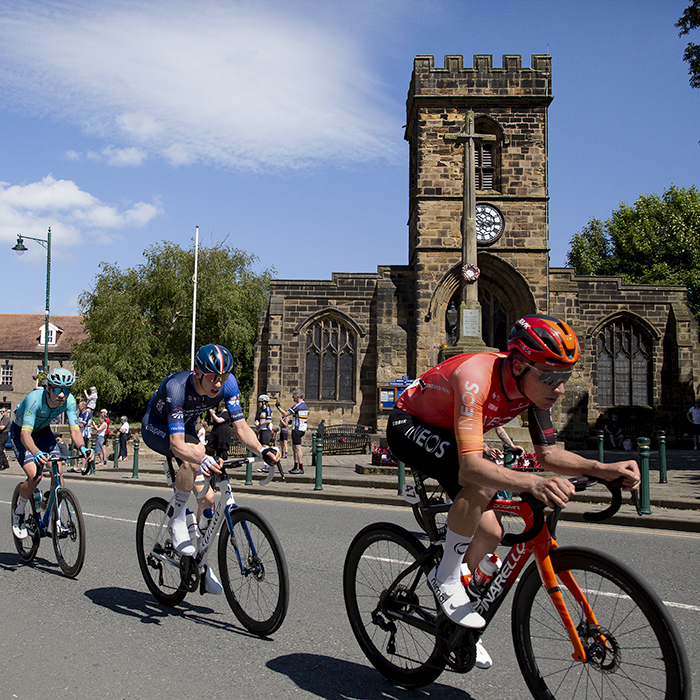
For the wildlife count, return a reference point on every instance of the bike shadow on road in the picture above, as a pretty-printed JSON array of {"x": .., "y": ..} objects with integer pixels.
[
  {"x": 10, "y": 561},
  {"x": 336, "y": 679},
  {"x": 142, "y": 606}
]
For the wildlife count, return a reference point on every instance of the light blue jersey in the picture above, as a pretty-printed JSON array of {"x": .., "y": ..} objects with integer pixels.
[{"x": 33, "y": 412}]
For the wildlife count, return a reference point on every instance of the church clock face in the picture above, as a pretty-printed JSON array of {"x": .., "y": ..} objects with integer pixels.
[{"x": 489, "y": 223}]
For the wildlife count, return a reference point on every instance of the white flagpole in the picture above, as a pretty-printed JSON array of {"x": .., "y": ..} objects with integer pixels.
[{"x": 194, "y": 296}]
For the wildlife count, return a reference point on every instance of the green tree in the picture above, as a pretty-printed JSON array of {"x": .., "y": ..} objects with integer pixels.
[
  {"x": 691, "y": 20},
  {"x": 139, "y": 321},
  {"x": 656, "y": 241}
]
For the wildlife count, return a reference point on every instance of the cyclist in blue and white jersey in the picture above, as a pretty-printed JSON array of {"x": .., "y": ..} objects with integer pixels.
[
  {"x": 299, "y": 414},
  {"x": 33, "y": 440},
  {"x": 169, "y": 429}
]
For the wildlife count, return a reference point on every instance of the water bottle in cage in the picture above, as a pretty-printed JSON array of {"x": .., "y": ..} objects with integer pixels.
[
  {"x": 204, "y": 521},
  {"x": 482, "y": 577}
]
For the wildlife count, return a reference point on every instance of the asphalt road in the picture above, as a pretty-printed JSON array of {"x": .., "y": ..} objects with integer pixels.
[{"x": 104, "y": 636}]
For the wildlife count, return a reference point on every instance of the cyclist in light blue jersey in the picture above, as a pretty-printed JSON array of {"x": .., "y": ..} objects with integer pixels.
[
  {"x": 33, "y": 440},
  {"x": 168, "y": 428}
]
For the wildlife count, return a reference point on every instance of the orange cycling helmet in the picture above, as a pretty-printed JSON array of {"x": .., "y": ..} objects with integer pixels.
[{"x": 542, "y": 338}]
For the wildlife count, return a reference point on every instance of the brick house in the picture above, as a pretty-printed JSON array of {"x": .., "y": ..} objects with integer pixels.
[
  {"x": 351, "y": 343},
  {"x": 22, "y": 351}
]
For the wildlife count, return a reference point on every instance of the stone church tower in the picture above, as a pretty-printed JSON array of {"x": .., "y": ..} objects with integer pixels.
[{"x": 351, "y": 343}]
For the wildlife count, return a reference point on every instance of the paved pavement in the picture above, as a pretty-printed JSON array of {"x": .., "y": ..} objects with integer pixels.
[{"x": 674, "y": 505}]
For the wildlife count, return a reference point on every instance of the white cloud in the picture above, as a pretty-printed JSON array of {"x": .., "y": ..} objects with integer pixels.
[
  {"x": 239, "y": 84},
  {"x": 124, "y": 156},
  {"x": 68, "y": 210}
]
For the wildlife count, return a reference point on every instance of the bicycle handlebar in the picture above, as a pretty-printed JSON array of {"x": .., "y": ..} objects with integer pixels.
[
  {"x": 580, "y": 483},
  {"x": 537, "y": 507},
  {"x": 60, "y": 458},
  {"x": 233, "y": 464}
]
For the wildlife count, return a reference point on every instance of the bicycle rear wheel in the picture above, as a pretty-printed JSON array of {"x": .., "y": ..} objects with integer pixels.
[
  {"x": 635, "y": 652},
  {"x": 68, "y": 533},
  {"x": 254, "y": 572},
  {"x": 405, "y": 653},
  {"x": 158, "y": 560},
  {"x": 28, "y": 546}
]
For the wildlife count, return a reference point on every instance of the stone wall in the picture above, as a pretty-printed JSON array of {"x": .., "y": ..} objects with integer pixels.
[{"x": 588, "y": 304}]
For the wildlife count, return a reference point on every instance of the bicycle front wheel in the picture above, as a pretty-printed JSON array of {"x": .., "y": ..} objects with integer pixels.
[
  {"x": 27, "y": 546},
  {"x": 158, "y": 560},
  {"x": 635, "y": 651},
  {"x": 68, "y": 533},
  {"x": 395, "y": 627},
  {"x": 254, "y": 572}
]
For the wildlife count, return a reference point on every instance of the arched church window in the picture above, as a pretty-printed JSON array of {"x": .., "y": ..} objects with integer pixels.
[
  {"x": 623, "y": 364},
  {"x": 330, "y": 361}
]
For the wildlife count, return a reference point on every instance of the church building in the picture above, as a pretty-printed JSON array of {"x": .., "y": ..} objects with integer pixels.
[{"x": 352, "y": 343}]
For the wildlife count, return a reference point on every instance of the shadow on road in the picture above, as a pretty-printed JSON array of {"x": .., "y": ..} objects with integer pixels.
[
  {"x": 10, "y": 561},
  {"x": 335, "y": 679},
  {"x": 147, "y": 610}
]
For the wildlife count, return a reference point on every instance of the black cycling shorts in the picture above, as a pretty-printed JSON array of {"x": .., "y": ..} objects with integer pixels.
[{"x": 430, "y": 450}]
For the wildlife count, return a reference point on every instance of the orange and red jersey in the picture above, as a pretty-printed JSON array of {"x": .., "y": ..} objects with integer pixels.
[{"x": 466, "y": 394}]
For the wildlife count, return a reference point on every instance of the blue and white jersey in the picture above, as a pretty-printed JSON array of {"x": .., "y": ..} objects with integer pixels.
[
  {"x": 265, "y": 418},
  {"x": 33, "y": 412},
  {"x": 176, "y": 402},
  {"x": 300, "y": 415}
]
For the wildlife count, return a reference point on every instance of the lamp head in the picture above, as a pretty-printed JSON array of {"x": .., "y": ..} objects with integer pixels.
[{"x": 20, "y": 247}]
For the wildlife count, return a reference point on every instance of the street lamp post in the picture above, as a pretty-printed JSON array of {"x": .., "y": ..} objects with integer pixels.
[{"x": 21, "y": 248}]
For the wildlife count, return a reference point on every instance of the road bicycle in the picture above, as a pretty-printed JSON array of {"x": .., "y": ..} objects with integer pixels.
[
  {"x": 583, "y": 624},
  {"x": 60, "y": 517},
  {"x": 252, "y": 565}
]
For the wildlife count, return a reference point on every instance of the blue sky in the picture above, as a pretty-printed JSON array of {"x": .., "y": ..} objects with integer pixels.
[{"x": 277, "y": 126}]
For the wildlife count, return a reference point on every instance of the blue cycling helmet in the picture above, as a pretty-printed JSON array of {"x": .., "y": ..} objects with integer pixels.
[
  {"x": 60, "y": 377},
  {"x": 214, "y": 359}
]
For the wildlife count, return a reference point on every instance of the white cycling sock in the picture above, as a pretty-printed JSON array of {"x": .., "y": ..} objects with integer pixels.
[
  {"x": 21, "y": 504},
  {"x": 181, "y": 498},
  {"x": 450, "y": 567}
]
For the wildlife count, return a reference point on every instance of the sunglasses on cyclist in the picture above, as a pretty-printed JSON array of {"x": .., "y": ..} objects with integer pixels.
[
  {"x": 60, "y": 390},
  {"x": 552, "y": 377},
  {"x": 216, "y": 378}
]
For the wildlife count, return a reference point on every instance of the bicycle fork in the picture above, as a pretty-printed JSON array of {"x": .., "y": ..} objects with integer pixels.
[{"x": 541, "y": 552}]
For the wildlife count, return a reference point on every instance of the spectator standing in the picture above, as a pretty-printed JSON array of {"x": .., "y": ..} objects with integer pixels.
[
  {"x": 64, "y": 449},
  {"x": 91, "y": 400},
  {"x": 299, "y": 413},
  {"x": 284, "y": 430},
  {"x": 102, "y": 427},
  {"x": 85, "y": 425},
  {"x": 694, "y": 417},
  {"x": 264, "y": 421},
  {"x": 220, "y": 436},
  {"x": 5, "y": 420},
  {"x": 123, "y": 437},
  {"x": 202, "y": 431}
]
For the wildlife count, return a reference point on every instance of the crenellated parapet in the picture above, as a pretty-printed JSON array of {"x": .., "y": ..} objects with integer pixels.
[{"x": 482, "y": 80}]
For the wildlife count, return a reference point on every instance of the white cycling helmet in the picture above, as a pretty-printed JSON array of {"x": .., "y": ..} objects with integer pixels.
[{"x": 263, "y": 397}]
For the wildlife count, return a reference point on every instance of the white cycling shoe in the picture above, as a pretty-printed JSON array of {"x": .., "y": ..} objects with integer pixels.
[
  {"x": 483, "y": 658},
  {"x": 212, "y": 585},
  {"x": 455, "y": 603},
  {"x": 18, "y": 528},
  {"x": 177, "y": 529}
]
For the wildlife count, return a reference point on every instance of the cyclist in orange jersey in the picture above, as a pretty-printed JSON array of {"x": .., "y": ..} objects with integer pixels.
[{"x": 438, "y": 426}]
